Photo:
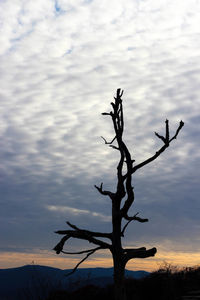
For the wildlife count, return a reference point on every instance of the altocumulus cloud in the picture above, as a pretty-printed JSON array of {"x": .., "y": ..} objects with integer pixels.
[{"x": 60, "y": 64}]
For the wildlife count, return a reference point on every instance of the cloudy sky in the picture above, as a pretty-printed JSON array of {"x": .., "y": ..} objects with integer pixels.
[{"x": 61, "y": 62}]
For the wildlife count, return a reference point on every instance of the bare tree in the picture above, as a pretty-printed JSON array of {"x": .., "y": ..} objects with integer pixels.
[{"x": 122, "y": 200}]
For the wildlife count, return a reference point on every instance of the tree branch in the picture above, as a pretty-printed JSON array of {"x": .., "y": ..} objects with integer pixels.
[
  {"x": 134, "y": 218},
  {"x": 162, "y": 149},
  {"x": 58, "y": 248},
  {"x": 104, "y": 192},
  {"x": 128, "y": 177},
  {"x": 80, "y": 252},
  {"x": 93, "y": 233},
  {"x": 84, "y": 235},
  {"x": 160, "y": 137},
  {"x": 167, "y": 132},
  {"x": 124, "y": 228},
  {"x": 80, "y": 234},
  {"x": 139, "y": 253},
  {"x": 114, "y": 147},
  {"x": 108, "y": 143},
  {"x": 127, "y": 250},
  {"x": 80, "y": 262},
  {"x": 181, "y": 124}
]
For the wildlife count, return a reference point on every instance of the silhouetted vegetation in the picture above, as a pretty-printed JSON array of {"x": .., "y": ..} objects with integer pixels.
[{"x": 168, "y": 283}]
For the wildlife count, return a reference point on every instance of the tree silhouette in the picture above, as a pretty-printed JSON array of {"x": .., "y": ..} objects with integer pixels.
[{"x": 122, "y": 200}]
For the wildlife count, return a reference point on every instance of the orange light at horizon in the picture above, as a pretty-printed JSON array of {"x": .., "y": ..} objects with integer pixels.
[{"x": 178, "y": 259}]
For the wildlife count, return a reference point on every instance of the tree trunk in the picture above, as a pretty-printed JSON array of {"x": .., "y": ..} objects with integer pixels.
[
  {"x": 117, "y": 252},
  {"x": 119, "y": 284}
]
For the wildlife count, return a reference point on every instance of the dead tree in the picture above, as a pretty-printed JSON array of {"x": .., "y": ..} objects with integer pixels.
[{"x": 121, "y": 199}]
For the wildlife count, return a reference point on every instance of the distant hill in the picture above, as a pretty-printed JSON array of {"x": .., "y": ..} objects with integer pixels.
[{"x": 35, "y": 282}]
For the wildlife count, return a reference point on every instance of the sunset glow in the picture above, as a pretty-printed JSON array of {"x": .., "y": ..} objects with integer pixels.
[{"x": 176, "y": 259}]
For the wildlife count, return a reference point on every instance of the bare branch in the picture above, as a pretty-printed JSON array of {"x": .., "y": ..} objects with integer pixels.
[
  {"x": 83, "y": 235},
  {"x": 108, "y": 143},
  {"x": 104, "y": 192},
  {"x": 162, "y": 149},
  {"x": 106, "y": 114},
  {"x": 125, "y": 226},
  {"x": 166, "y": 139},
  {"x": 167, "y": 132},
  {"x": 127, "y": 250},
  {"x": 58, "y": 248},
  {"x": 119, "y": 95},
  {"x": 81, "y": 252},
  {"x": 181, "y": 124},
  {"x": 73, "y": 226},
  {"x": 114, "y": 147},
  {"x": 92, "y": 233},
  {"x": 80, "y": 262},
  {"x": 160, "y": 137},
  {"x": 135, "y": 218},
  {"x": 139, "y": 253},
  {"x": 128, "y": 178}
]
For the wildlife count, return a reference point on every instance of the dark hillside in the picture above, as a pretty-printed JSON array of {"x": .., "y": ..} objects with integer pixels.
[
  {"x": 36, "y": 282},
  {"x": 165, "y": 284}
]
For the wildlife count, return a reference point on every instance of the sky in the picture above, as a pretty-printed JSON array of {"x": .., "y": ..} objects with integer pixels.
[{"x": 60, "y": 65}]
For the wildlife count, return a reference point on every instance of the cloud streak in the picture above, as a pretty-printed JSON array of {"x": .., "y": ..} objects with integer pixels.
[{"x": 78, "y": 212}]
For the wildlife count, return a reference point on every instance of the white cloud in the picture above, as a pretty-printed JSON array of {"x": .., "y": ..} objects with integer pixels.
[
  {"x": 78, "y": 212},
  {"x": 60, "y": 65},
  {"x": 53, "y": 93}
]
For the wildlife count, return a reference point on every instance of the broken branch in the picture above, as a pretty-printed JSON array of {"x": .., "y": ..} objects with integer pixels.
[{"x": 139, "y": 253}]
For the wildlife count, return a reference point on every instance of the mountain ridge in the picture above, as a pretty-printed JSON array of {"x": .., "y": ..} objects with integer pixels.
[{"x": 37, "y": 280}]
